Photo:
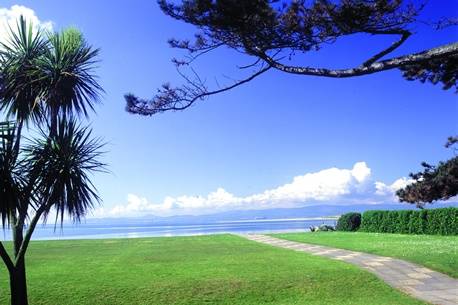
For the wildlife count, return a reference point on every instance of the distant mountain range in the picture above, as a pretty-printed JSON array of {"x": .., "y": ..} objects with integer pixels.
[{"x": 278, "y": 213}]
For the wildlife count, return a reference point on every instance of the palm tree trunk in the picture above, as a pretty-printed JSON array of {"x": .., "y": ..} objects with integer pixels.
[
  {"x": 53, "y": 123},
  {"x": 18, "y": 279},
  {"x": 18, "y": 284}
]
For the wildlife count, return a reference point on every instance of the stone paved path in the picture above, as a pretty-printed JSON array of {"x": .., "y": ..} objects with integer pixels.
[{"x": 419, "y": 282}]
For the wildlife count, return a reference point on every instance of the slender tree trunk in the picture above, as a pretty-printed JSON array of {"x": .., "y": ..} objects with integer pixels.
[
  {"x": 18, "y": 279},
  {"x": 18, "y": 284},
  {"x": 54, "y": 122}
]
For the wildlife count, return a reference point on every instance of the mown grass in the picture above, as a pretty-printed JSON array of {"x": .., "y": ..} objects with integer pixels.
[
  {"x": 219, "y": 269},
  {"x": 436, "y": 252}
]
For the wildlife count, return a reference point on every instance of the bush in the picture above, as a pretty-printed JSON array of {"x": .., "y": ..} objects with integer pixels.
[
  {"x": 349, "y": 222},
  {"x": 326, "y": 228},
  {"x": 434, "y": 221}
]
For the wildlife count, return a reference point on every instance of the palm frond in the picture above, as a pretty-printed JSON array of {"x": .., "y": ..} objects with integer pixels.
[
  {"x": 64, "y": 162},
  {"x": 11, "y": 180},
  {"x": 68, "y": 67},
  {"x": 21, "y": 85}
]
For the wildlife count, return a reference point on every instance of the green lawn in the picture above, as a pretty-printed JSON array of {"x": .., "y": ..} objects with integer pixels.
[
  {"x": 436, "y": 252},
  {"x": 219, "y": 269}
]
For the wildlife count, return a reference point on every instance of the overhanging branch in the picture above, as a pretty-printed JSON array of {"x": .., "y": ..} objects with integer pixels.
[
  {"x": 388, "y": 64},
  {"x": 179, "y": 98}
]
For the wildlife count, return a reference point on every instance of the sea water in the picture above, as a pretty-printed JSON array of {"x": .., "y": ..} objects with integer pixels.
[{"x": 103, "y": 229}]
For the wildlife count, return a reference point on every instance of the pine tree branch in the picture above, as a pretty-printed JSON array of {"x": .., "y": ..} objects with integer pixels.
[
  {"x": 178, "y": 98},
  {"x": 404, "y": 36},
  {"x": 384, "y": 65}
]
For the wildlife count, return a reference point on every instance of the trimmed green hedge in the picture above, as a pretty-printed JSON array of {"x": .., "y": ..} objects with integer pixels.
[
  {"x": 349, "y": 222},
  {"x": 434, "y": 221}
]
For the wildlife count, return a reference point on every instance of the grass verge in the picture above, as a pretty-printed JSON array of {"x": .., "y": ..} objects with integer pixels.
[
  {"x": 439, "y": 253},
  {"x": 219, "y": 269}
]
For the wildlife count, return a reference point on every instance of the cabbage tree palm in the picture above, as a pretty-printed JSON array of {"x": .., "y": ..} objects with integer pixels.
[{"x": 46, "y": 81}]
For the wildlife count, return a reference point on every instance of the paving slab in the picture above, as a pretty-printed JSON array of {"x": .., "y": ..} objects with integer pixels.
[{"x": 417, "y": 281}]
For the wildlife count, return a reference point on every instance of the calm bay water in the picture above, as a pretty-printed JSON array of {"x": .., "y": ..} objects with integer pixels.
[{"x": 136, "y": 229}]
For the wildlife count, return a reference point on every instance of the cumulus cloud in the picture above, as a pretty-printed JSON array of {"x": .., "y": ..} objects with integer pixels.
[
  {"x": 9, "y": 17},
  {"x": 383, "y": 189},
  {"x": 324, "y": 185},
  {"x": 333, "y": 185}
]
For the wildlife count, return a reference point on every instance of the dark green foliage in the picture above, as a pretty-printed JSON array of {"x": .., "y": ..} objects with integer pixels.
[
  {"x": 349, "y": 222},
  {"x": 442, "y": 221},
  {"x": 434, "y": 182},
  {"x": 62, "y": 164},
  {"x": 434, "y": 71},
  {"x": 10, "y": 180},
  {"x": 435, "y": 221},
  {"x": 402, "y": 224}
]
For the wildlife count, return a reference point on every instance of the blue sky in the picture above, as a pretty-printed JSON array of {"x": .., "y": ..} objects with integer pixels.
[{"x": 243, "y": 148}]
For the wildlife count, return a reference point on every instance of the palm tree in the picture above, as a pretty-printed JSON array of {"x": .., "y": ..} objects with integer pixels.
[
  {"x": 67, "y": 71},
  {"x": 46, "y": 79}
]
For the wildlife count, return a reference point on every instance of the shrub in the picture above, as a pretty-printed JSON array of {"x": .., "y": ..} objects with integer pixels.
[
  {"x": 434, "y": 221},
  {"x": 349, "y": 222},
  {"x": 326, "y": 228}
]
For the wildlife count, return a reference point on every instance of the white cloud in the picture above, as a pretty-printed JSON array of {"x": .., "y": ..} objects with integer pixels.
[
  {"x": 382, "y": 189},
  {"x": 333, "y": 185},
  {"x": 324, "y": 185},
  {"x": 9, "y": 18}
]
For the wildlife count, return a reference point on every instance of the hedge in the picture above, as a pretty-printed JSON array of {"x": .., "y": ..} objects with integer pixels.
[
  {"x": 433, "y": 221},
  {"x": 349, "y": 222}
]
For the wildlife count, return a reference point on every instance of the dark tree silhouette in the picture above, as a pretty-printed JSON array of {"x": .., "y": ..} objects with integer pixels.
[
  {"x": 273, "y": 31},
  {"x": 45, "y": 81},
  {"x": 434, "y": 182}
]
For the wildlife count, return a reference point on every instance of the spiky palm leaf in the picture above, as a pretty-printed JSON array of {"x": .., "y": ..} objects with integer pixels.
[
  {"x": 11, "y": 174},
  {"x": 63, "y": 163},
  {"x": 21, "y": 85},
  {"x": 48, "y": 75},
  {"x": 67, "y": 68}
]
